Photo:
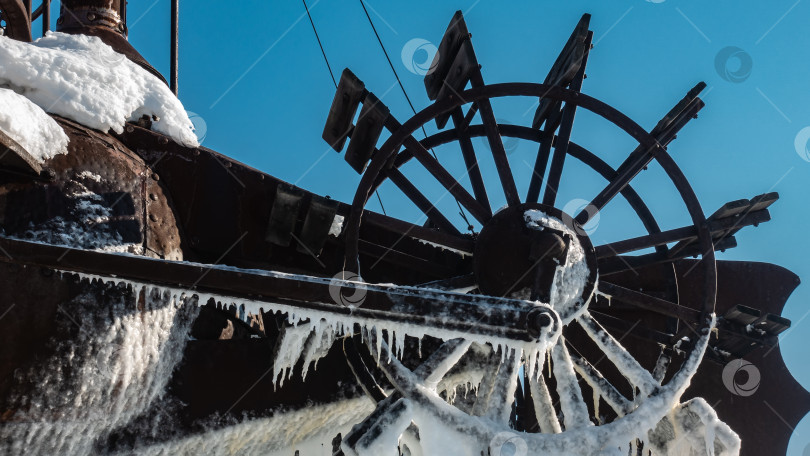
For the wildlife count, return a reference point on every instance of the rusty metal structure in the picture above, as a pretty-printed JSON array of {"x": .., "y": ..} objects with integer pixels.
[{"x": 655, "y": 303}]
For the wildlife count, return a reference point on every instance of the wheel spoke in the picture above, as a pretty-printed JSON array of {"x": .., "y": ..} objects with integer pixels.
[
  {"x": 470, "y": 160},
  {"x": 543, "y": 408},
  {"x": 613, "y": 350},
  {"x": 575, "y": 411},
  {"x": 499, "y": 402},
  {"x": 441, "y": 361},
  {"x": 421, "y": 201},
  {"x": 539, "y": 172},
  {"x": 717, "y": 228},
  {"x": 566, "y": 124},
  {"x": 651, "y": 303},
  {"x": 419, "y": 232},
  {"x": 496, "y": 145},
  {"x": 488, "y": 382},
  {"x": 599, "y": 383},
  {"x": 447, "y": 180},
  {"x": 558, "y": 158},
  {"x": 634, "y": 329},
  {"x": 664, "y": 132},
  {"x": 645, "y": 242},
  {"x": 430, "y": 372},
  {"x": 392, "y": 415}
]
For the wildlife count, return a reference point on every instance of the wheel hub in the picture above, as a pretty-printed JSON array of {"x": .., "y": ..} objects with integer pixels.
[{"x": 519, "y": 251}]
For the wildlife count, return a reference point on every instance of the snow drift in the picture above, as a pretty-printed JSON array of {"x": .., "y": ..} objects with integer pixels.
[
  {"x": 30, "y": 126},
  {"x": 81, "y": 78}
]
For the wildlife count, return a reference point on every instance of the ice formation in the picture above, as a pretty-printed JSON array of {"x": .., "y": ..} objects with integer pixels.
[
  {"x": 691, "y": 429},
  {"x": 116, "y": 368},
  {"x": 337, "y": 226},
  {"x": 444, "y": 429},
  {"x": 570, "y": 279},
  {"x": 309, "y": 431},
  {"x": 81, "y": 78},
  {"x": 137, "y": 358},
  {"x": 444, "y": 247},
  {"x": 28, "y": 125},
  {"x": 88, "y": 226}
]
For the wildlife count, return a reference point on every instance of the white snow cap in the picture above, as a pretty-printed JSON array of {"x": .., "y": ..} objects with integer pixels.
[
  {"x": 30, "y": 126},
  {"x": 83, "y": 79}
]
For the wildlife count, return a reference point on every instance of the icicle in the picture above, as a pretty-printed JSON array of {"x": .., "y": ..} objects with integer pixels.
[{"x": 399, "y": 342}]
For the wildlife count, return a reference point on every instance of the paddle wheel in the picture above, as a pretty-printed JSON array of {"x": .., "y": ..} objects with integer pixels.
[{"x": 243, "y": 313}]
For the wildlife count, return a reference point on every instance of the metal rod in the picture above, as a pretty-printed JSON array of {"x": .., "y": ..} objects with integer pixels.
[
  {"x": 566, "y": 125},
  {"x": 174, "y": 45},
  {"x": 649, "y": 302},
  {"x": 716, "y": 227},
  {"x": 462, "y": 314},
  {"x": 496, "y": 145},
  {"x": 46, "y": 16},
  {"x": 442, "y": 175},
  {"x": 421, "y": 201},
  {"x": 470, "y": 160},
  {"x": 539, "y": 172},
  {"x": 633, "y": 165}
]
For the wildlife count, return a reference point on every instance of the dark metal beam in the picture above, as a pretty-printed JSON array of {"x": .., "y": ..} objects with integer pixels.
[
  {"x": 664, "y": 132},
  {"x": 470, "y": 160},
  {"x": 483, "y": 315},
  {"x": 566, "y": 125},
  {"x": 651, "y": 303},
  {"x": 421, "y": 201},
  {"x": 441, "y": 174},
  {"x": 46, "y": 16}
]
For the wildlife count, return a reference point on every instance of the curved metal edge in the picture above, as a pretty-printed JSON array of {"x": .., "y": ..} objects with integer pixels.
[
  {"x": 530, "y": 134},
  {"x": 765, "y": 416},
  {"x": 388, "y": 150},
  {"x": 18, "y": 26},
  {"x": 14, "y": 157}
]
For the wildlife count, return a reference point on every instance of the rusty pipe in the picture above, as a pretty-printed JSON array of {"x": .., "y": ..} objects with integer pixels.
[{"x": 81, "y": 14}]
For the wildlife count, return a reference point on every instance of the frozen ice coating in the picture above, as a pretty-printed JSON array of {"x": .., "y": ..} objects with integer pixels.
[
  {"x": 693, "y": 428},
  {"x": 337, "y": 226},
  {"x": 115, "y": 370},
  {"x": 310, "y": 430},
  {"x": 83, "y": 79},
  {"x": 569, "y": 280},
  {"x": 88, "y": 228},
  {"x": 445, "y": 429},
  {"x": 30, "y": 126}
]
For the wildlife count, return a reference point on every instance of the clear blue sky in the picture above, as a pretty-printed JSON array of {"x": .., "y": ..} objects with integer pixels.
[{"x": 254, "y": 73}]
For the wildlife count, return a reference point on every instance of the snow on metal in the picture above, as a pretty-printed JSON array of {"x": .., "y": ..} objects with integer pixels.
[
  {"x": 83, "y": 79},
  {"x": 30, "y": 126}
]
